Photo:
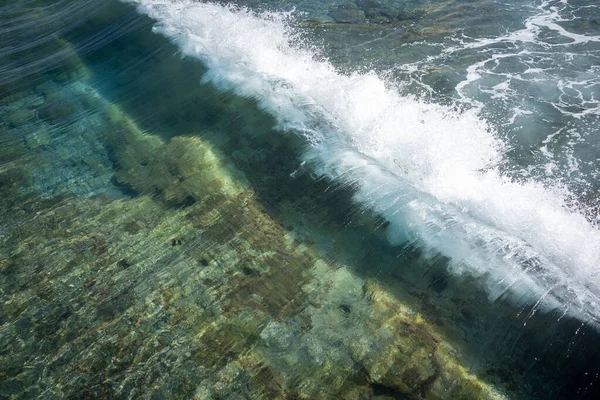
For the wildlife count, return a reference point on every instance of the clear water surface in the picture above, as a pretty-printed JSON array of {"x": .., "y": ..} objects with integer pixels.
[{"x": 299, "y": 199}]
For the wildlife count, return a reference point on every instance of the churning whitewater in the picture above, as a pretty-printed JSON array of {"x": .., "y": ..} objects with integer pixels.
[{"x": 433, "y": 172}]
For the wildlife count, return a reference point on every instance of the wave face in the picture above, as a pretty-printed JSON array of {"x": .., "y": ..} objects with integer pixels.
[{"x": 438, "y": 175}]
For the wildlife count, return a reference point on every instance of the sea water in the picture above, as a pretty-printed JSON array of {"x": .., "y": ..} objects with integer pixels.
[{"x": 449, "y": 146}]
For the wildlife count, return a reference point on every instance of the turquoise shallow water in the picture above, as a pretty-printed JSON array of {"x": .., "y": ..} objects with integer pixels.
[{"x": 351, "y": 200}]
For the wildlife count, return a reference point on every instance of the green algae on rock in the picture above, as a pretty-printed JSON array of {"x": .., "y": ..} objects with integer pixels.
[
  {"x": 181, "y": 170},
  {"x": 133, "y": 297}
]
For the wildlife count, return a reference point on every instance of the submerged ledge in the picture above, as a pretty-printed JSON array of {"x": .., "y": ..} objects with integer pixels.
[
  {"x": 185, "y": 286},
  {"x": 181, "y": 221}
]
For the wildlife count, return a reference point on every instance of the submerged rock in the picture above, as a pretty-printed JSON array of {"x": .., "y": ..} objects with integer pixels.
[
  {"x": 378, "y": 13},
  {"x": 347, "y": 14},
  {"x": 20, "y": 116},
  {"x": 193, "y": 279},
  {"x": 368, "y": 4},
  {"x": 180, "y": 171},
  {"x": 96, "y": 294}
]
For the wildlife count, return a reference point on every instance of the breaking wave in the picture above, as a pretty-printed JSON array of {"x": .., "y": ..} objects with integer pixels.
[{"x": 432, "y": 171}]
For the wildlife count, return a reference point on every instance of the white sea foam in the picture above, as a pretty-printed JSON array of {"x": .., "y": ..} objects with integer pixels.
[
  {"x": 532, "y": 40},
  {"x": 430, "y": 170},
  {"x": 538, "y": 83}
]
